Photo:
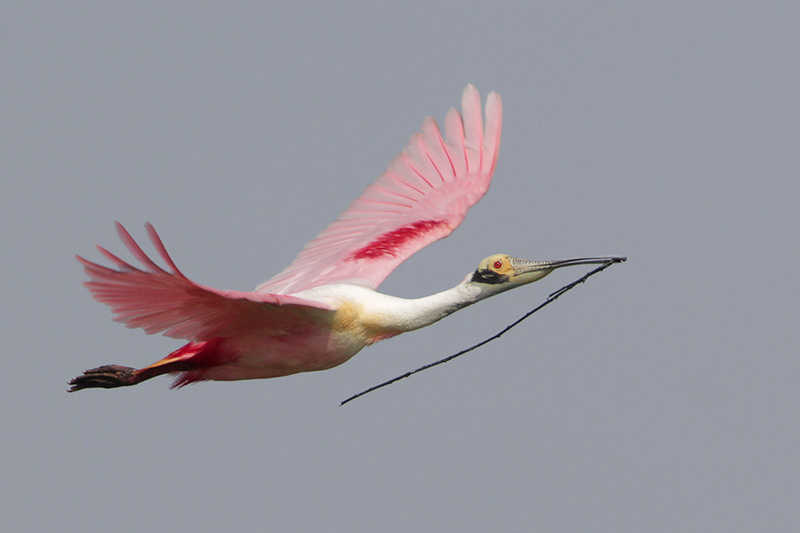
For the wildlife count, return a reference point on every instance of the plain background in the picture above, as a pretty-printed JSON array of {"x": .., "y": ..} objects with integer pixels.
[{"x": 663, "y": 395}]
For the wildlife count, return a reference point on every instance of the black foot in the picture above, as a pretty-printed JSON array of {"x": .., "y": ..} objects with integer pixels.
[{"x": 105, "y": 377}]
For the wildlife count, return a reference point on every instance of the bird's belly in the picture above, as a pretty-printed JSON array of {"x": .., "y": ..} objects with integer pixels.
[
  {"x": 318, "y": 345},
  {"x": 282, "y": 355}
]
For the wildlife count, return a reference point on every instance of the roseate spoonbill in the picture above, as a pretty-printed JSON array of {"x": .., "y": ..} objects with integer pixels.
[{"x": 323, "y": 308}]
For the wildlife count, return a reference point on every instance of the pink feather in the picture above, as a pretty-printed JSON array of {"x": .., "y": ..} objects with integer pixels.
[
  {"x": 422, "y": 197},
  {"x": 158, "y": 300}
]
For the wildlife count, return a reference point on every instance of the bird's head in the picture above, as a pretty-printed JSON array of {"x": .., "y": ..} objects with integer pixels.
[{"x": 501, "y": 272}]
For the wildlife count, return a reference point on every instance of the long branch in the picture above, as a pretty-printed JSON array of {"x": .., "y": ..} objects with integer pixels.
[{"x": 551, "y": 298}]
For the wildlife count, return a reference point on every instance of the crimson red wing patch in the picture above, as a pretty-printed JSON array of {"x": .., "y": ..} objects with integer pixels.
[{"x": 390, "y": 243}]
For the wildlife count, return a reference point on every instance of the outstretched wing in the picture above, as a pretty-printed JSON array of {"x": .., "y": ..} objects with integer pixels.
[
  {"x": 422, "y": 197},
  {"x": 159, "y": 300}
]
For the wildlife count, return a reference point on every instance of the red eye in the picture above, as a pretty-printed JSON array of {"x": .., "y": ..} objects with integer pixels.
[{"x": 497, "y": 264}]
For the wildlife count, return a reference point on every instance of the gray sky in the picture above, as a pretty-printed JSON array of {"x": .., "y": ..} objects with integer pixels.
[{"x": 661, "y": 396}]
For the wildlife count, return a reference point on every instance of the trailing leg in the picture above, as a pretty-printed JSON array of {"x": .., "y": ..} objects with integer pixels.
[
  {"x": 113, "y": 376},
  {"x": 192, "y": 356}
]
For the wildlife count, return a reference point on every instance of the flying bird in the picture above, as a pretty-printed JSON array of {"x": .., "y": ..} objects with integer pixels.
[{"x": 324, "y": 307}]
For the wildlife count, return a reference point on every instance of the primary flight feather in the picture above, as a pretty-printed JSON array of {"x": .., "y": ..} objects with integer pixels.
[{"x": 324, "y": 307}]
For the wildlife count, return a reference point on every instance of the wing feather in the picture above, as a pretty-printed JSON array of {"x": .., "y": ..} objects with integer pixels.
[
  {"x": 422, "y": 197},
  {"x": 159, "y": 300}
]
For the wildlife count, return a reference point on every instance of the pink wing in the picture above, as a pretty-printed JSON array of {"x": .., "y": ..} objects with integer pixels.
[
  {"x": 158, "y": 300},
  {"x": 422, "y": 197}
]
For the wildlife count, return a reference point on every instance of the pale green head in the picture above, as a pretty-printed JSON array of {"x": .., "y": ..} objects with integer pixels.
[{"x": 500, "y": 272}]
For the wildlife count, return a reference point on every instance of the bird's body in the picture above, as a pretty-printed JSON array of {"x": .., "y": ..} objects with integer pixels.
[
  {"x": 316, "y": 339},
  {"x": 324, "y": 308}
]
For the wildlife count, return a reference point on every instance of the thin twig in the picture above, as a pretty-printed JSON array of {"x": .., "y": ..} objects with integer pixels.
[{"x": 551, "y": 298}]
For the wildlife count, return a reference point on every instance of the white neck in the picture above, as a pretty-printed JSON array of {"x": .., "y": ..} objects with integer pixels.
[
  {"x": 401, "y": 314},
  {"x": 415, "y": 313}
]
